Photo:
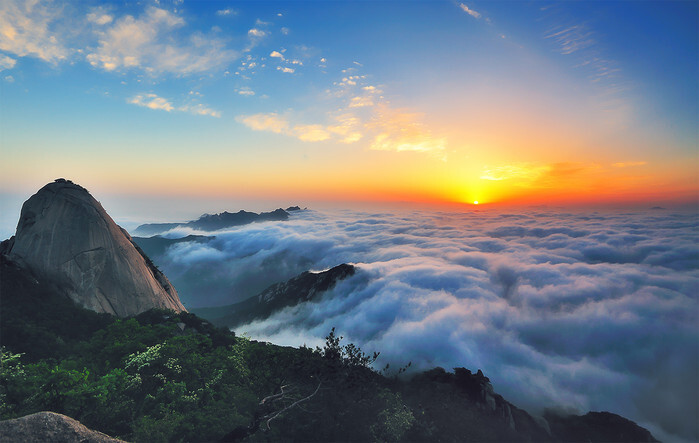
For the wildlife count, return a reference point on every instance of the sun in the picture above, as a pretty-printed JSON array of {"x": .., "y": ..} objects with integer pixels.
[{"x": 475, "y": 202}]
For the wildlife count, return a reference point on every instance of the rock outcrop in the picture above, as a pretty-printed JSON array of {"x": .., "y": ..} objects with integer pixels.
[
  {"x": 65, "y": 236},
  {"x": 50, "y": 427}
]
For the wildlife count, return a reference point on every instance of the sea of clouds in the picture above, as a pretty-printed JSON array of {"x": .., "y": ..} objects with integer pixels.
[{"x": 574, "y": 310}]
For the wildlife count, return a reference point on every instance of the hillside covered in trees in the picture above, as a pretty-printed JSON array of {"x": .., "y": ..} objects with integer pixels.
[{"x": 166, "y": 376}]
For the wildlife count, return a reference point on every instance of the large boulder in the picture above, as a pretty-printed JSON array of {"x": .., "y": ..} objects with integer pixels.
[
  {"x": 65, "y": 236},
  {"x": 48, "y": 427}
]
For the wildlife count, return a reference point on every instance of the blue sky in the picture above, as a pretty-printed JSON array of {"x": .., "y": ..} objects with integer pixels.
[{"x": 392, "y": 101}]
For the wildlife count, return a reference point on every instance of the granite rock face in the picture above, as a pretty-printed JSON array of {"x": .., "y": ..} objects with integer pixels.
[
  {"x": 66, "y": 236},
  {"x": 50, "y": 427}
]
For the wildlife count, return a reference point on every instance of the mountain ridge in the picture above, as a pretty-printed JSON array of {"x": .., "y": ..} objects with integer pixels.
[
  {"x": 214, "y": 222},
  {"x": 304, "y": 287}
]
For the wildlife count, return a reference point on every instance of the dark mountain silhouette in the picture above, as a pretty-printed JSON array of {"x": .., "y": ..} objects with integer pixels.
[
  {"x": 66, "y": 238},
  {"x": 156, "y": 246},
  {"x": 304, "y": 287},
  {"x": 213, "y": 222}
]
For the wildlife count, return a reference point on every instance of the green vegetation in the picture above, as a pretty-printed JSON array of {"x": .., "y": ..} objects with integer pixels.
[{"x": 165, "y": 376}]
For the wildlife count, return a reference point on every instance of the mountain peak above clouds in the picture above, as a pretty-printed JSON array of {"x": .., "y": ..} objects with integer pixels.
[{"x": 66, "y": 237}]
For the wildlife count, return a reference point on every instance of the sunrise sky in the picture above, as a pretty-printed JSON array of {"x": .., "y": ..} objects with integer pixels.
[{"x": 435, "y": 101}]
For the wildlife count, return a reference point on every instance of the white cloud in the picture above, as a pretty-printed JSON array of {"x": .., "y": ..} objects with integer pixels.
[
  {"x": 277, "y": 54},
  {"x": 153, "y": 101},
  {"x": 285, "y": 31},
  {"x": 546, "y": 302},
  {"x": 265, "y": 122},
  {"x": 6, "y": 62},
  {"x": 150, "y": 43},
  {"x": 27, "y": 29},
  {"x": 9, "y": 79},
  {"x": 361, "y": 101},
  {"x": 311, "y": 133},
  {"x": 362, "y": 114},
  {"x": 285, "y": 69},
  {"x": 227, "y": 11},
  {"x": 99, "y": 16},
  {"x": 469, "y": 11},
  {"x": 246, "y": 91},
  {"x": 199, "y": 109},
  {"x": 257, "y": 33},
  {"x": 273, "y": 122}
]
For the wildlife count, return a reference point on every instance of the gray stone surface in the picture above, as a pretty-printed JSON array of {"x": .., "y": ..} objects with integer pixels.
[
  {"x": 47, "y": 427},
  {"x": 65, "y": 235}
]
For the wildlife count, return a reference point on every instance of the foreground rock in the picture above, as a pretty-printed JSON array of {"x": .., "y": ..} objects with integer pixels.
[
  {"x": 50, "y": 427},
  {"x": 66, "y": 237}
]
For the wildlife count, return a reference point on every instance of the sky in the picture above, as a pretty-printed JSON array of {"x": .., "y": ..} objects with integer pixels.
[{"x": 422, "y": 102}]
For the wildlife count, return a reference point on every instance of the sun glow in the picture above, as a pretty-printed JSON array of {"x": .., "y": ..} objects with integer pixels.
[{"x": 475, "y": 202}]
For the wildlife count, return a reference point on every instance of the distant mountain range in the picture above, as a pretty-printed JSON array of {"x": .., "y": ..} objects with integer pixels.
[{"x": 214, "y": 222}]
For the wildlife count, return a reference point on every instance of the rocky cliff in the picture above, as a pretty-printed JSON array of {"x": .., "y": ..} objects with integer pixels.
[{"x": 65, "y": 236}]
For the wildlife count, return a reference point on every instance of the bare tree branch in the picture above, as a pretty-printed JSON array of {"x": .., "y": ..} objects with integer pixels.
[{"x": 276, "y": 414}]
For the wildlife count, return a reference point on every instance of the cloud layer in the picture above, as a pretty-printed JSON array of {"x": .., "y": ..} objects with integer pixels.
[{"x": 594, "y": 311}]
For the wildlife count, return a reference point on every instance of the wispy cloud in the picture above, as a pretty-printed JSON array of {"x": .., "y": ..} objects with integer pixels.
[
  {"x": 227, "y": 11},
  {"x": 27, "y": 29},
  {"x": 151, "y": 43},
  {"x": 628, "y": 164},
  {"x": 246, "y": 91},
  {"x": 153, "y": 101},
  {"x": 579, "y": 41},
  {"x": 361, "y": 113},
  {"x": 401, "y": 130},
  {"x": 99, "y": 16},
  {"x": 311, "y": 133},
  {"x": 469, "y": 11},
  {"x": 7, "y": 62},
  {"x": 571, "y": 38},
  {"x": 272, "y": 122},
  {"x": 521, "y": 171}
]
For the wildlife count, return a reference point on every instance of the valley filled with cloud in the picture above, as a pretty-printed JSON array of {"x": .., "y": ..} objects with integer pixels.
[{"x": 582, "y": 310}]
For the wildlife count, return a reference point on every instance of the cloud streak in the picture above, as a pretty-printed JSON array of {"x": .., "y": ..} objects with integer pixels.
[
  {"x": 469, "y": 11},
  {"x": 595, "y": 311},
  {"x": 153, "y": 101}
]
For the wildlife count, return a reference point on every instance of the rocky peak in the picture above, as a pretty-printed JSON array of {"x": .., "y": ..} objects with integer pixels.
[{"x": 65, "y": 235}]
